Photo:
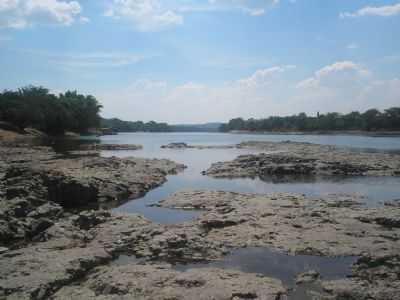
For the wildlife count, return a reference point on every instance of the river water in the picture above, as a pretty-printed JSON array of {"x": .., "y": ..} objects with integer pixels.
[{"x": 370, "y": 190}]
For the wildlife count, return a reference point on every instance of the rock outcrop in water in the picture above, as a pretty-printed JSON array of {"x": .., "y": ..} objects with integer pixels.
[{"x": 303, "y": 159}]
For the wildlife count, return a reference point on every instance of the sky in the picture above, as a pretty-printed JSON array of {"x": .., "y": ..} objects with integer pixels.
[{"x": 195, "y": 61}]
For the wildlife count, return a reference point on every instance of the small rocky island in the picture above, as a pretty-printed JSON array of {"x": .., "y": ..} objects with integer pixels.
[
  {"x": 59, "y": 238},
  {"x": 305, "y": 159}
]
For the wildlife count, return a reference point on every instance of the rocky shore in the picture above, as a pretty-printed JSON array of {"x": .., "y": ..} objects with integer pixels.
[
  {"x": 58, "y": 242},
  {"x": 304, "y": 159},
  {"x": 37, "y": 186},
  {"x": 71, "y": 259}
]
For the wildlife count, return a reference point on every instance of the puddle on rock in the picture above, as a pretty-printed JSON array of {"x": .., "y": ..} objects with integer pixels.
[
  {"x": 272, "y": 264},
  {"x": 279, "y": 265}
]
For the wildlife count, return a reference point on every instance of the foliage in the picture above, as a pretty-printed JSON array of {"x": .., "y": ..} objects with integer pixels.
[
  {"x": 36, "y": 107},
  {"x": 128, "y": 126},
  {"x": 372, "y": 119}
]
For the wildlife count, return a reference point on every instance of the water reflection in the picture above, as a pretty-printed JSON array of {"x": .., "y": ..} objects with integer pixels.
[{"x": 279, "y": 265}]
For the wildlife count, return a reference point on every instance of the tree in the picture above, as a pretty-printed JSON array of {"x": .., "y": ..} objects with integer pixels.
[{"x": 36, "y": 107}]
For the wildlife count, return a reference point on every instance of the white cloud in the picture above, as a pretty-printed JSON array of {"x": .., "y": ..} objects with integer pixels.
[
  {"x": 381, "y": 11},
  {"x": 23, "y": 13},
  {"x": 335, "y": 73},
  {"x": 90, "y": 59},
  {"x": 155, "y": 15},
  {"x": 343, "y": 87},
  {"x": 353, "y": 46},
  {"x": 251, "y": 7},
  {"x": 145, "y": 15},
  {"x": 264, "y": 76},
  {"x": 84, "y": 20}
]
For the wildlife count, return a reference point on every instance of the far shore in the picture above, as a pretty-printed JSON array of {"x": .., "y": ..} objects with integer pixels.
[{"x": 319, "y": 132}]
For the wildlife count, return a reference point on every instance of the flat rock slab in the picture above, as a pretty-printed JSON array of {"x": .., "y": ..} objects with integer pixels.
[
  {"x": 293, "y": 223},
  {"x": 161, "y": 282},
  {"x": 304, "y": 159},
  {"x": 65, "y": 253}
]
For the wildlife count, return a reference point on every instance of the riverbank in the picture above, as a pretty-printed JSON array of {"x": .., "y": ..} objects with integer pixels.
[{"x": 325, "y": 132}]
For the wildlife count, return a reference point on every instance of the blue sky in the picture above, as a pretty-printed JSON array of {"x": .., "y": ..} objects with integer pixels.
[{"x": 211, "y": 60}]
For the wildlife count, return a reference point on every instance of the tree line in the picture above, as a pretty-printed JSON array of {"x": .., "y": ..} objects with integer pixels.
[
  {"x": 130, "y": 126},
  {"x": 36, "y": 107},
  {"x": 370, "y": 120}
]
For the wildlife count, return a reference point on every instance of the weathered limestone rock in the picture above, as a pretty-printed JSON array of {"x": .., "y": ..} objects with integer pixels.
[
  {"x": 372, "y": 278},
  {"x": 36, "y": 184},
  {"x": 292, "y": 223},
  {"x": 161, "y": 282},
  {"x": 73, "y": 247},
  {"x": 304, "y": 159},
  {"x": 63, "y": 254},
  {"x": 68, "y": 250},
  {"x": 300, "y": 225}
]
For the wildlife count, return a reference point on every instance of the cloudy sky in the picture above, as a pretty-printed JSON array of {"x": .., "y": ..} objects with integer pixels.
[{"x": 206, "y": 60}]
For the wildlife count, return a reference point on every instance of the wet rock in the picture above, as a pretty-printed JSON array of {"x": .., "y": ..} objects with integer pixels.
[
  {"x": 304, "y": 159},
  {"x": 111, "y": 147},
  {"x": 161, "y": 282}
]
